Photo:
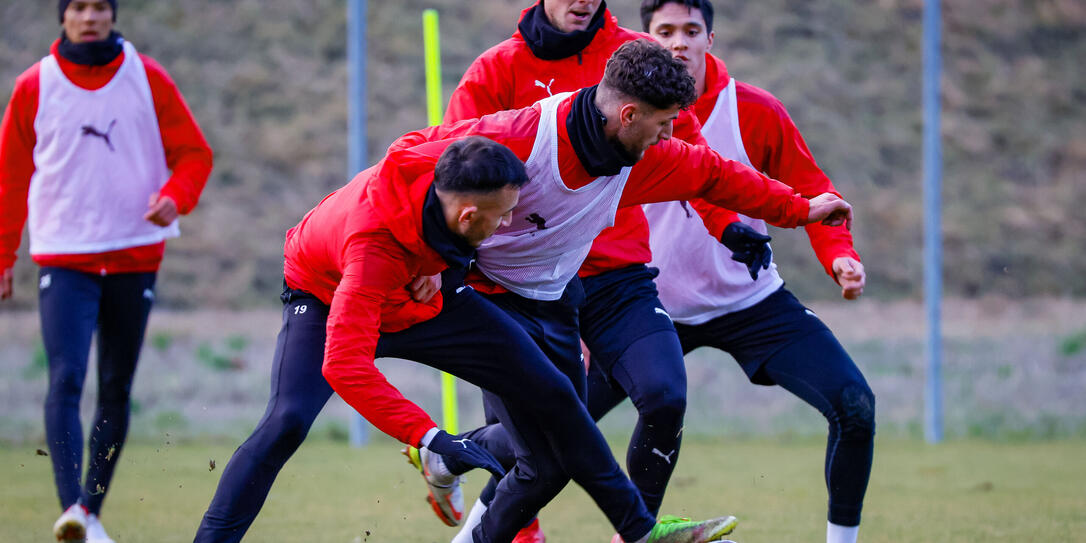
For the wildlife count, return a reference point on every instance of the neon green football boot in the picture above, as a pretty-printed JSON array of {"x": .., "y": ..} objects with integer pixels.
[{"x": 672, "y": 529}]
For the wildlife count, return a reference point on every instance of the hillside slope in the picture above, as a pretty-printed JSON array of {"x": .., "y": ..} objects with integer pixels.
[{"x": 267, "y": 81}]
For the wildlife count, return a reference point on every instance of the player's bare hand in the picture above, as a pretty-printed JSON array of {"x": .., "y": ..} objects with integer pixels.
[
  {"x": 831, "y": 210},
  {"x": 161, "y": 210},
  {"x": 6, "y": 288},
  {"x": 850, "y": 275},
  {"x": 424, "y": 287}
]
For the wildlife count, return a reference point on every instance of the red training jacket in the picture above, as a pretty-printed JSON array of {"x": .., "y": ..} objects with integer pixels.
[
  {"x": 357, "y": 251},
  {"x": 188, "y": 157},
  {"x": 775, "y": 147}
]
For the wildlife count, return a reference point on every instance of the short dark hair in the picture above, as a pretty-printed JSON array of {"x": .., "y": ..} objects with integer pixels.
[
  {"x": 643, "y": 70},
  {"x": 478, "y": 165},
  {"x": 649, "y": 7}
]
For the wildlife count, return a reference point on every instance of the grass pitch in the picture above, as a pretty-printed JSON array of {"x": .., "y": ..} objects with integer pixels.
[{"x": 965, "y": 491}]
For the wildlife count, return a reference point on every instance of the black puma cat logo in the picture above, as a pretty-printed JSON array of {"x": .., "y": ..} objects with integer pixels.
[
  {"x": 539, "y": 222},
  {"x": 89, "y": 130}
]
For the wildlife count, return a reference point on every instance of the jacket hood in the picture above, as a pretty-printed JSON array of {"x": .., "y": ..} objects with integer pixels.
[
  {"x": 397, "y": 193},
  {"x": 716, "y": 73},
  {"x": 716, "y": 80}
]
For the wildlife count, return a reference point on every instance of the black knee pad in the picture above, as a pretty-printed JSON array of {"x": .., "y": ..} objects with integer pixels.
[{"x": 857, "y": 412}]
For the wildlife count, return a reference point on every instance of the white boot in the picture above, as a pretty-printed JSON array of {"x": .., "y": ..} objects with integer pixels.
[
  {"x": 95, "y": 532},
  {"x": 72, "y": 524}
]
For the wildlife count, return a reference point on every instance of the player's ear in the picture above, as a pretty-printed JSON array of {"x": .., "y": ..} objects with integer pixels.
[
  {"x": 629, "y": 113},
  {"x": 711, "y": 36},
  {"x": 467, "y": 214}
]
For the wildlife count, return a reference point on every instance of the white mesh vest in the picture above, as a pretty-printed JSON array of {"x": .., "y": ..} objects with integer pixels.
[
  {"x": 553, "y": 226},
  {"x": 698, "y": 279},
  {"x": 98, "y": 158}
]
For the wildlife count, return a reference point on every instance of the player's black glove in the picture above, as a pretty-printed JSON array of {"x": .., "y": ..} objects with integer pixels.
[
  {"x": 748, "y": 246},
  {"x": 466, "y": 452}
]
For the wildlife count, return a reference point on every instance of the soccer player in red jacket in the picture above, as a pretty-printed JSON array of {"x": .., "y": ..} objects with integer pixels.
[
  {"x": 746, "y": 310},
  {"x": 99, "y": 150},
  {"x": 590, "y": 153},
  {"x": 347, "y": 266},
  {"x": 560, "y": 46}
]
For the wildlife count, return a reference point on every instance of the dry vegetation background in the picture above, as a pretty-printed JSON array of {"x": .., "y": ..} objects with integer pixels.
[{"x": 266, "y": 79}]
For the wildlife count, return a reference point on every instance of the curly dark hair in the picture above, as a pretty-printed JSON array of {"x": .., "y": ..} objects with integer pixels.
[
  {"x": 478, "y": 165},
  {"x": 649, "y": 7},
  {"x": 645, "y": 71}
]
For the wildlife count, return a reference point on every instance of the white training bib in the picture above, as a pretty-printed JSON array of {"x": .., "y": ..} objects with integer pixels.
[
  {"x": 98, "y": 158},
  {"x": 553, "y": 226},
  {"x": 698, "y": 279}
]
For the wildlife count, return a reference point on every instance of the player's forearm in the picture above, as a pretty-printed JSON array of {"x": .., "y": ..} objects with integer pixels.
[
  {"x": 188, "y": 180},
  {"x": 741, "y": 189},
  {"x": 13, "y": 212},
  {"x": 350, "y": 346},
  {"x": 675, "y": 170},
  {"x": 366, "y": 390},
  {"x": 830, "y": 243},
  {"x": 188, "y": 155}
]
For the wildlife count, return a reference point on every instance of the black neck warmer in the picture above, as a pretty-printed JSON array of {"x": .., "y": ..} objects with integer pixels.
[
  {"x": 455, "y": 250},
  {"x": 598, "y": 155},
  {"x": 94, "y": 53},
  {"x": 548, "y": 43}
]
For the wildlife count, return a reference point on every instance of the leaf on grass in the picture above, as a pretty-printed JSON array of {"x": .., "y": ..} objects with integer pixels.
[{"x": 42, "y": 453}]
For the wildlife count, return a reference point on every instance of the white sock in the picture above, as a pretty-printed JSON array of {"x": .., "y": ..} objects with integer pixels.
[
  {"x": 841, "y": 534},
  {"x": 474, "y": 517}
]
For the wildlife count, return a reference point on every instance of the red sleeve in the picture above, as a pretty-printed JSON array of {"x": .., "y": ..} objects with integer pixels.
[
  {"x": 187, "y": 153},
  {"x": 17, "y": 140},
  {"x": 479, "y": 91},
  {"x": 676, "y": 170},
  {"x": 688, "y": 129},
  {"x": 515, "y": 128},
  {"x": 716, "y": 218},
  {"x": 375, "y": 266},
  {"x": 776, "y": 147}
]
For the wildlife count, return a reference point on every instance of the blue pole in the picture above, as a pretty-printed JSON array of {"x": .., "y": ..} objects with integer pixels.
[
  {"x": 933, "y": 241},
  {"x": 356, "y": 135}
]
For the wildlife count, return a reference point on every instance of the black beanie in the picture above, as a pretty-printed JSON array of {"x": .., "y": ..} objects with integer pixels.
[{"x": 62, "y": 6}]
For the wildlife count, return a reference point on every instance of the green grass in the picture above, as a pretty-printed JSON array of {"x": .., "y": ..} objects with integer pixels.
[{"x": 967, "y": 491}]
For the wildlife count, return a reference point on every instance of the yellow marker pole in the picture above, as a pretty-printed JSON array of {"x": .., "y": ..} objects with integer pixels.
[{"x": 432, "y": 47}]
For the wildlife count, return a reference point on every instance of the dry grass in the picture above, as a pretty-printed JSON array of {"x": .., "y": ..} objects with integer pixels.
[{"x": 1012, "y": 369}]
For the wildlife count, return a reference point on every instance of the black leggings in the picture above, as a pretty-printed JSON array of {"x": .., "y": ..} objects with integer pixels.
[
  {"x": 779, "y": 341},
  {"x": 549, "y": 428},
  {"x": 73, "y": 305}
]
